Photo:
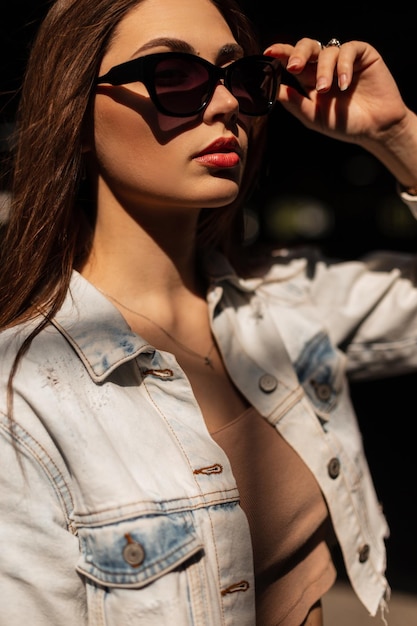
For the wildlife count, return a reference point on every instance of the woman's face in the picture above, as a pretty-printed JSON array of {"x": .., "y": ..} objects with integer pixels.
[{"x": 145, "y": 159}]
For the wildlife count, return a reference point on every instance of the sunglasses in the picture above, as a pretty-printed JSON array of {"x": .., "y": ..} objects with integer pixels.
[{"x": 181, "y": 84}]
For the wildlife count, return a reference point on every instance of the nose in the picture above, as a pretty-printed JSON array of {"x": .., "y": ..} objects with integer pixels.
[{"x": 222, "y": 103}]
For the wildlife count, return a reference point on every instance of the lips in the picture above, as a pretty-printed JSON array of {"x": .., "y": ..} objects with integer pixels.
[{"x": 220, "y": 153}]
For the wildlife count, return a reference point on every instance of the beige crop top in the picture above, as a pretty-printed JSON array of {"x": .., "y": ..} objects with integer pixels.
[{"x": 288, "y": 520}]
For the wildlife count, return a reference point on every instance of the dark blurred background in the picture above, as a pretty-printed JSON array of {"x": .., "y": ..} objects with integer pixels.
[{"x": 318, "y": 192}]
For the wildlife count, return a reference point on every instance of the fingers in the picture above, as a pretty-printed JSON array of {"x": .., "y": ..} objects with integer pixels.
[
  {"x": 336, "y": 65},
  {"x": 305, "y": 51},
  {"x": 334, "y": 62}
]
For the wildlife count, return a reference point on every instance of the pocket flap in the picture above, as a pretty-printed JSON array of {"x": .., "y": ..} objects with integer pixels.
[{"x": 135, "y": 552}]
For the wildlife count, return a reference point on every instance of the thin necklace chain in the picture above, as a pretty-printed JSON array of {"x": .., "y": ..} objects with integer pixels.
[{"x": 206, "y": 358}]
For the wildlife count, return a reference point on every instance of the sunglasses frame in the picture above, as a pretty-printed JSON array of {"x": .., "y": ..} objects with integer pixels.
[{"x": 142, "y": 70}]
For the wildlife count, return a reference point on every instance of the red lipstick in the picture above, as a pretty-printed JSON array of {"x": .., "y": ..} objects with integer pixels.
[{"x": 220, "y": 153}]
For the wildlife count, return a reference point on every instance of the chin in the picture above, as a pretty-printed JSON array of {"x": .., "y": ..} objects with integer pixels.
[
  {"x": 219, "y": 201},
  {"x": 225, "y": 193}
]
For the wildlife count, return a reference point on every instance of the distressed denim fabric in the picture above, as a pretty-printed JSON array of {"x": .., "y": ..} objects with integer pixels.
[{"x": 118, "y": 508}]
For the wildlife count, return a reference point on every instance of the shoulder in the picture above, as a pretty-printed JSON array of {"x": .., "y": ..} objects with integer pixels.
[
  {"x": 280, "y": 267},
  {"x": 14, "y": 338}
]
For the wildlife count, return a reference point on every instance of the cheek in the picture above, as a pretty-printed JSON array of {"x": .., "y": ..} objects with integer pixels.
[{"x": 124, "y": 144}]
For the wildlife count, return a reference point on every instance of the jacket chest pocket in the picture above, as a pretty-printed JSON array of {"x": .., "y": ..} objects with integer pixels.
[
  {"x": 142, "y": 571},
  {"x": 319, "y": 369}
]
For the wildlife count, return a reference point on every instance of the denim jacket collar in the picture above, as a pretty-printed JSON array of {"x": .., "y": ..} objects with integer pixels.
[
  {"x": 96, "y": 330},
  {"x": 100, "y": 335}
]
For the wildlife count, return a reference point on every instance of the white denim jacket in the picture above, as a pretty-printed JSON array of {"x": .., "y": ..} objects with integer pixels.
[{"x": 118, "y": 508}]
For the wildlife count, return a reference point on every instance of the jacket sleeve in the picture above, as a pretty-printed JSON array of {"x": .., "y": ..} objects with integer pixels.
[
  {"x": 38, "y": 582},
  {"x": 370, "y": 309}
]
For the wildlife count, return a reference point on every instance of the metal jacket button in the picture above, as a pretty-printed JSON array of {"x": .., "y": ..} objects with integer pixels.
[
  {"x": 133, "y": 552},
  {"x": 268, "y": 383},
  {"x": 333, "y": 467},
  {"x": 323, "y": 391},
  {"x": 364, "y": 553}
]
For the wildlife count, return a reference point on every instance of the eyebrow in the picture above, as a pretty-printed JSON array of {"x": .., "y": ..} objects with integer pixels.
[{"x": 227, "y": 52}]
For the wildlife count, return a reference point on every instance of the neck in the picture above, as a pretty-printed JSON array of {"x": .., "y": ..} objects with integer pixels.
[{"x": 158, "y": 260}]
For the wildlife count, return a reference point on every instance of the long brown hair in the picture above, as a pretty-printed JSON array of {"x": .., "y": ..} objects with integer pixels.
[{"x": 45, "y": 236}]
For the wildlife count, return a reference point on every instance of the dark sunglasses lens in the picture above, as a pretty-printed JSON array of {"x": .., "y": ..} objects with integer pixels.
[
  {"x": 253, "y": 83},
  {"x": 181, "y": 85}
]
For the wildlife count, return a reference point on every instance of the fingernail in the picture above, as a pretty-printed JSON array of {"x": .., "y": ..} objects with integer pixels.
[
  {"x": 293, "y": 63},
  {"x": 321, "y": 84},
  {"x": 343, "y": 82}
]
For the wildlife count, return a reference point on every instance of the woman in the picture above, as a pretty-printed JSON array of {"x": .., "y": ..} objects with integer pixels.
[{"x": 175, "y": 422}]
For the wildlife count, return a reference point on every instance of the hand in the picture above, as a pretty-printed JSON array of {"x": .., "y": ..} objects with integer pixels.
[{"x": 349, "y": 92}]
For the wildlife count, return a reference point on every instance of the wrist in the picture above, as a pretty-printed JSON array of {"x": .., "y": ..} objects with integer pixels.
[{"x": 396, "y": 149}]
